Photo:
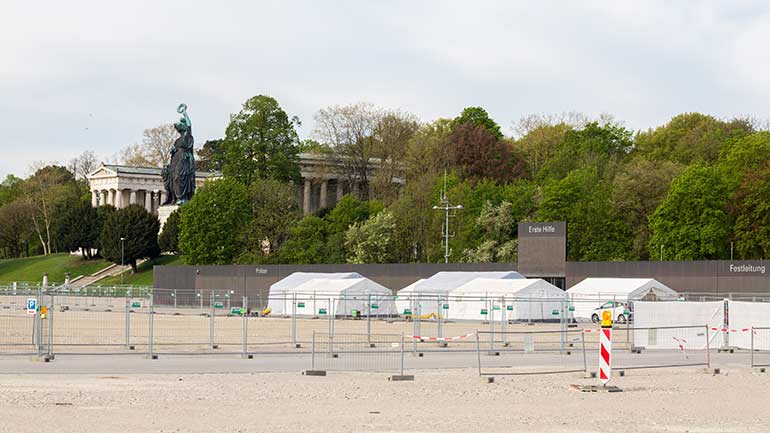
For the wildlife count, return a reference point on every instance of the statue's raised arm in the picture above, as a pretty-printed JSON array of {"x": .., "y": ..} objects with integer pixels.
[{"x": 182, "y": 109}]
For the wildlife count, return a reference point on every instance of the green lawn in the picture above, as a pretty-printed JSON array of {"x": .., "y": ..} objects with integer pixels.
[
  {"x": 31, "y": 269},
  {"x": 144, "y": 275}
]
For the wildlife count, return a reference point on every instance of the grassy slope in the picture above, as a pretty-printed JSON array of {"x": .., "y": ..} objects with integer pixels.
[
  {"x": 144, "y": 275},
  {"x": 57, "y": 265}
]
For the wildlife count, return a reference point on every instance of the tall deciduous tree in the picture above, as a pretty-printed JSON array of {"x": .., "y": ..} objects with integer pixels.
[
  {"x": 349, "y": 131},
  {"x": 637, "y": 191},
  {"x": 751, "y": 210},
  {"x": 211, "y": 156},
  {"x": 497, "y": 243},
  {"x": 274, "y": 211},
  {"x": 213, "y": 221},
  {"x": 477, "y": 116},
  {"x": 261, "y": 143},
  {"x": 692, "y": 222},
  {"x": 139, "y": 230},
  {"x": 372, "y": 241},
  {"x": 690, "y": 137},
  {"x": 479, "y": 154},
  {"x": 392, "y": 135},
  {"x": 46, "y": 191},
  {"x": 427, "y": 151},
  {"x": 15, "y": 226},
  {"x": 154, "y": 149}
]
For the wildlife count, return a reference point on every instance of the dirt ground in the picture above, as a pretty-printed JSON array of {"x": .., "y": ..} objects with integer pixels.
[{"x": 683, "y": 400}]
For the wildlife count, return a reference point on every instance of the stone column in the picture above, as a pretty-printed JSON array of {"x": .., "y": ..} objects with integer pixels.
[
  {"x": 324, "y": 186},
  {"x": 148, "y": 201},
  {"x": 103, "y": 201},
  {"x": 306, "y": 196},
  {"x": 119, "y": 199},
  {"x": 340, "y": 191},
  {"x": 162, "y": 198},
  {"x": 94, "y": 199},
  {"x": 132, "y": 196},
  {"x": 111, "y": 199}
]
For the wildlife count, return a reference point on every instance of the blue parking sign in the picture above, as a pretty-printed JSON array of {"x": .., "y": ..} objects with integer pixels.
[{"x": 31, "y": 305}]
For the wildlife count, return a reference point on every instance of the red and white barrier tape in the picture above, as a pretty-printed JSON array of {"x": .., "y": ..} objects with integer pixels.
[
  {"x": 731, "y": 330},
  {"x": 421, "y": 338}
]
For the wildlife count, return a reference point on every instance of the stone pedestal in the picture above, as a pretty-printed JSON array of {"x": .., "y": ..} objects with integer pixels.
[{"x": 164, "y": 212}]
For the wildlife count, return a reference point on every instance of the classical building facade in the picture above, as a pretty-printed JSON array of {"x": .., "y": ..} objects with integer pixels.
[{"x": 323, "y": 184}]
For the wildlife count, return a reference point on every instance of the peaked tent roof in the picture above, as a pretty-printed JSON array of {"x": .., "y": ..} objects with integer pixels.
[
  {"x": 508, "y": 287},
  {"x": 296, "y": 279},
  {"x": 629, "y": 287},
  {"x": 327, "y": 286},
  {"x": 446, "y": 281}
]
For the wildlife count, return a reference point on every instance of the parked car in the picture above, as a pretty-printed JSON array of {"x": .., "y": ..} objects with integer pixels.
[{"x": 620, "y": 312}]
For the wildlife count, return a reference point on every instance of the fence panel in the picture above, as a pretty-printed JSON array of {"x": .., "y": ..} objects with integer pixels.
[
  {"x": 532, "y": 352},
  {"x": 760, "y": 346},
  {"x": 18, "y": 329},
  {"x": 357, "y": 352},
  {"x": 671, "y": 346}
]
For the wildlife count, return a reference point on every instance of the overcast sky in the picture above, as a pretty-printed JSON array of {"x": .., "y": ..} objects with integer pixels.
[{"x": 92, "y": 75}]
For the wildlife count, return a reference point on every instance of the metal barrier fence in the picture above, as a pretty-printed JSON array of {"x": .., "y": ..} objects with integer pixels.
[
  {"x": 515, "y": 353},
  {"x": 667, "y": 347},
  {"x": 760, "y": 347},
  {"x": 358, "y": 352}
]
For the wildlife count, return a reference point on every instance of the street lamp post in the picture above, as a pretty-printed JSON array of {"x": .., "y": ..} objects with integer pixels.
[
  {"x": 122, "y": 260},
  {"x": 446, "y": 206}
]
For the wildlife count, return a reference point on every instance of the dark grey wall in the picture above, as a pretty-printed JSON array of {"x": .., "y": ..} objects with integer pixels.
[
  {"x": 717, "y": 276},
  {"x": 254, "y": 280},
  {"x": 542, "y": 248}
]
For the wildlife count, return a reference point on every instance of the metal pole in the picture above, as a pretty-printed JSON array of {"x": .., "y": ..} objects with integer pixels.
[
  {"x": 491, "y": 316},
  {"x": 438, "y": 315},
  {"x": 708, "y": 350},
  {"x": 174, "y": 299},
  {"x": 585, "y": 361},
  {"x": 446, "y": 235},
  {"x": 50, "y": 327},
  {"x": 478, "y": 352},
  {"x": 369, "y": 322},
  {"x": 402, "y": 353},
  {"x": 211, "y": 322},
  {"x": 752, "y": 346},
  {"x": 312, "y": 353},
  {"x": 504, "y": 317},
  {"x": 245, "y": 316},
  {"x": 122, "y": 260},
  {"x": 152, "y": 320},
  {"x": 294, "y": 320},
  {"x": 128, "y": 322}
]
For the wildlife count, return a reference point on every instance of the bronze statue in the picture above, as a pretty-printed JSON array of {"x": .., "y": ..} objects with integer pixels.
[{"x": 179, "y": 174}]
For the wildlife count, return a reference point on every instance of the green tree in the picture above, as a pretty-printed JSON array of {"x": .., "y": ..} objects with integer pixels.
[
  {"x": 751, "y": 211},
  {"x": 583, "y": 200},
  {"x": 692, "y": 222},
  {"x": 499, "y": 229},
  {"x": 211, "y": 156},
  {"x": 169, "y": 236},
  {"x": 371, "y": 241},
  {"x": 540, "y": 142},
  {"x": 15, "y": 226},
  {"x": 48, "y": 191},
  {"x": 599, "y": 146},
  {"x": 690, "y": 137},
  {"x": 417, "y": 225},
  {"x": 347, "y": 212},
  {"x": 139, "y": 231},
  {"x": 212, "y": 223},
  {"x": 274, "y": 211},
  {"x": 261, "y": 143},
  {"x": 427, "y": 152},
  {"x": 79, "y": 227},
  {"x": 743, "y": 155},
  {"x": 479, "y": 154},
  {"x": 10, "y": 189},
  {"x": 306, "y": 242},
  {"x": 477, "y": 116},
  {"x": 637, "y": 191},
  {"x": 392, "y": 135}
]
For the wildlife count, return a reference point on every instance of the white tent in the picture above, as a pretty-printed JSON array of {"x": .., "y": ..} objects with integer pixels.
[
  {"x": 278, "y": 300},
  {"x": 517, "y": 299},
  {"x": 342, "y": 296},
  {"x": 591, "y": 293},
  {"x": 432, "y": 292}
]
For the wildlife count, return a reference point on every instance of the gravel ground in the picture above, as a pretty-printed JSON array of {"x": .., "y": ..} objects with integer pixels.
[{"x": 682, "y": 400}]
